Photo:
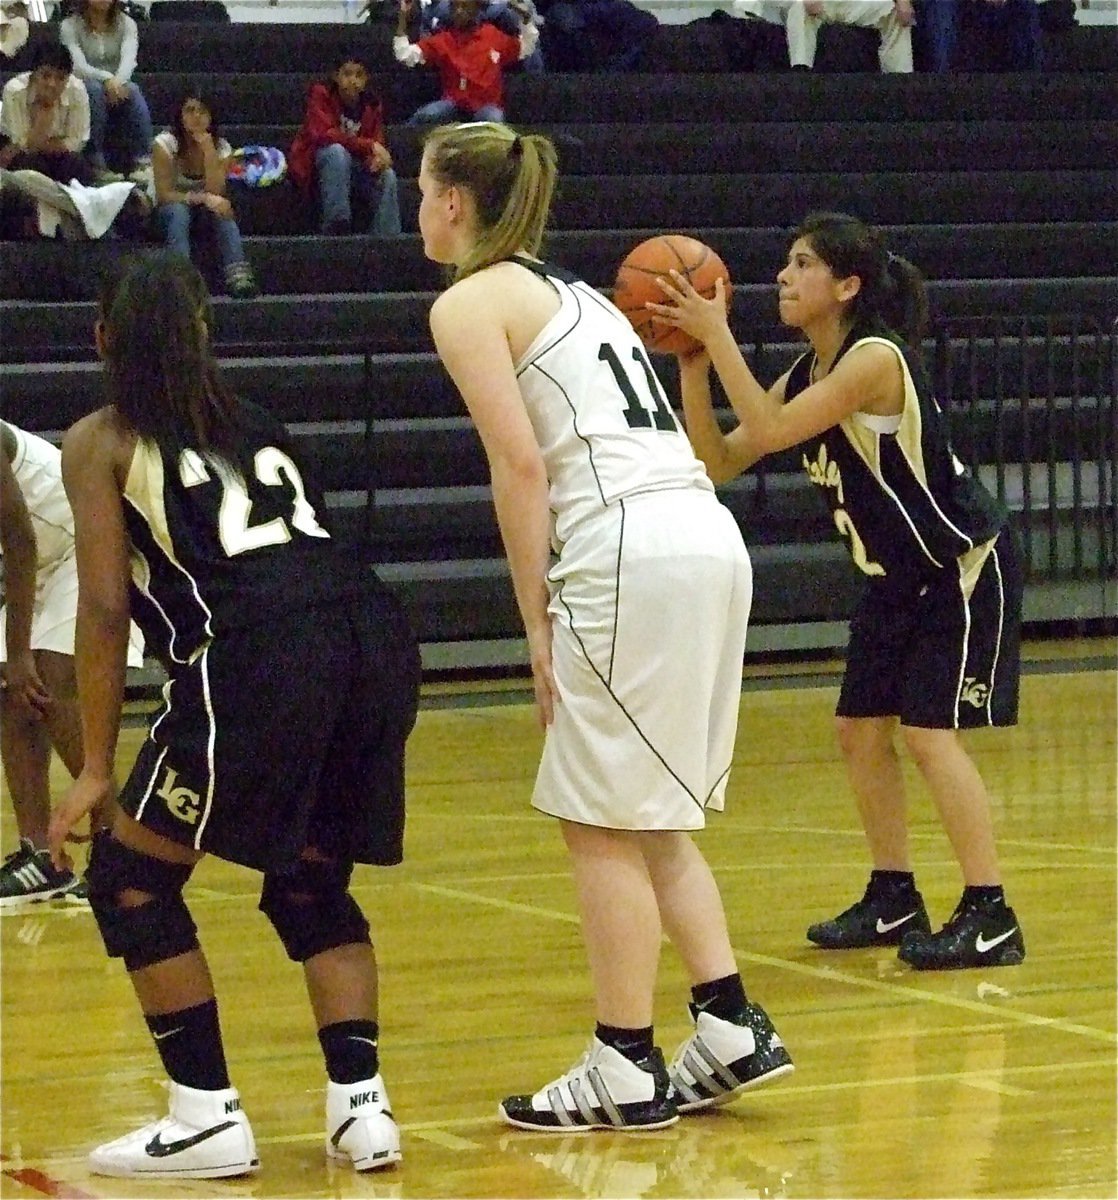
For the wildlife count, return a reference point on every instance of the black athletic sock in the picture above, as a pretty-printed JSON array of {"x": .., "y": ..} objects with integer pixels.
[
  {"x": 723, "y": 998},
  {"x": 986, "y": 897},
  {"x": 894, "y": 885},
  {"x": 189, "y": 1043},
  {"x": 350, "y": 1049},
  {"x": 635, "y": 1044}
]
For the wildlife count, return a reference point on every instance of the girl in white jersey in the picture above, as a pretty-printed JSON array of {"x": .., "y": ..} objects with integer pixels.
[
  {"x": 634, "y": 587},
  {"x": 934, "y": 644}
]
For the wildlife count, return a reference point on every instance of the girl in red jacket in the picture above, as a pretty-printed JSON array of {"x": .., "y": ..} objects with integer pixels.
[{"x": 340, "y": 148}]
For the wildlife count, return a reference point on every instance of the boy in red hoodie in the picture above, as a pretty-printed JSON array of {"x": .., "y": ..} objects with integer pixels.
[
  {"x": 471, "y": 58},
  {"x": 340, "y": 146}
]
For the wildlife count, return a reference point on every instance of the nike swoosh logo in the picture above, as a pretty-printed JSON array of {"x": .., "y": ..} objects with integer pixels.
[
  {"x": 368, "y": 1041},
  {"x": 158, "y": 1148},
  {"x": 982, "y": 945},
  {"x": 886, "y": 926},
  {"x": 170, "y": 1033}
]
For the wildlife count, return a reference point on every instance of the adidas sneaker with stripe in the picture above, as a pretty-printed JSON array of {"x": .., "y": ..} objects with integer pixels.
[
  {"x": 28, "y": 874},
  {"x": 603, "y": 1090},
  {"x": 721, "y": 1059}
]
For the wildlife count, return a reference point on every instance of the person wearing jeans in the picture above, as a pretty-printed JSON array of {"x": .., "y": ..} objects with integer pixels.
[
  {"x": 340, "y": 153},
  {"x": 103, "y": 41},
  {"x": 190, "y": 162}
]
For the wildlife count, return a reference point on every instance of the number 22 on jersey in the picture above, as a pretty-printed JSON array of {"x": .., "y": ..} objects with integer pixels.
[{"x": 272, "y": 468}]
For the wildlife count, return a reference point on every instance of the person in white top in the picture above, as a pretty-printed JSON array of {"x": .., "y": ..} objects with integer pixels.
[
  {"x": 14, "y": 28},
  {"x": 44, "y": 118},
  {"x": 104, "y": 43},
  {"x": 802, "y": 19},
  {"x": 634, "y": 587},
  {"x": 38, "y": 690}
]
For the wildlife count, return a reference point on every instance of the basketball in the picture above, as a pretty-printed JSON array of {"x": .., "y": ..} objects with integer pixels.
[{"x": 636, "y": 285}]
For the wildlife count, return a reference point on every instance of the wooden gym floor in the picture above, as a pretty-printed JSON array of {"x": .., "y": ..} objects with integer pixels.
[{"x": 973, "y": 1083}]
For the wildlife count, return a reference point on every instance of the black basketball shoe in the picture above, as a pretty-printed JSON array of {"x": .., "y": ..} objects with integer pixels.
[
  {"x": 977, "y": 935},
  {"x": 881, "y": 918}
]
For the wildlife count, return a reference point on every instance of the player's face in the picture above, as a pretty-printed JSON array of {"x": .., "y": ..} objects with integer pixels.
[
  {"x": 808, "y": 289},
  {"x": 351, "y": 79},
  {"x": 435, "y": 217}
]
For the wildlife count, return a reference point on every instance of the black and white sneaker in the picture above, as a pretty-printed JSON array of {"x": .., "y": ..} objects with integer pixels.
[
  {"x": 29, "y": 875},
  {"x": 603, "y": 1090},
  {"x": 204, "y": 1136},
  {"x": 722, "y": 1058},
  {"x": 880, "y": 918},
  {"x": 977, "y": 935}
]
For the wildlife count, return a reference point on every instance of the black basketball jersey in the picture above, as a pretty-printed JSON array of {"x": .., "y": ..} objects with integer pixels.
[
  {"x": 213, "y": 549},
  {"x": 904, "y": 502}
]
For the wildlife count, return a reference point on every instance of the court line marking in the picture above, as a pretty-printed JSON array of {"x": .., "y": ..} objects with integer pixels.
[{"x": 829, "y": 974}]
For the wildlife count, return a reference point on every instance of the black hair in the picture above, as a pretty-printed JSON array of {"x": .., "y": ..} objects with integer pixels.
[
  {"x": 52, "y": 54},
  {"x": 114, "y": 10},
  {"x": 160, "y": 374},
  {"x": 193, "y": 91},
  {"x": 892, "y": 291}
]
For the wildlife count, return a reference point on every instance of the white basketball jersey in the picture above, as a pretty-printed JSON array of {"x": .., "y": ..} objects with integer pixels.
[
  {"x": 38, "y": 470},
  {"x": 599, "y": 413}
]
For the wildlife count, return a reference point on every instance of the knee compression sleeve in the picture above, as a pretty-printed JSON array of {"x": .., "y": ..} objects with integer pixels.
[
  {"x": 311, "y": 909},
  {"x": 148, "y": 933}
]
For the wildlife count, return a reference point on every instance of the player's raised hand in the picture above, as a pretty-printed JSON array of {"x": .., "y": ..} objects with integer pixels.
[{"x": 686, "y": 309}]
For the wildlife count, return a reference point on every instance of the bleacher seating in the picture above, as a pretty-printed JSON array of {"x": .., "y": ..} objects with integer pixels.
[{"x": 1000, "y": 187}]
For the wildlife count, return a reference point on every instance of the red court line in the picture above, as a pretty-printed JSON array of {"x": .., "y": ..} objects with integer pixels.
[{"x": 41, "y": 1182}]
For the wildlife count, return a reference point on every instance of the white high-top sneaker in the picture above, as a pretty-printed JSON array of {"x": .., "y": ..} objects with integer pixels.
[
  {"x": 359, "y": 1124},
  {"x": 205, "y": 1136}
]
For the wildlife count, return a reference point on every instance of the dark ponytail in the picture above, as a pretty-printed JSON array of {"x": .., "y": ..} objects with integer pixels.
[{"x": 892, "y": 291}]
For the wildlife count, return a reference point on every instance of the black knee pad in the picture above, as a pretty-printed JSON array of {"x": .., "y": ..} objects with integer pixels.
[
  {"x": 311, "y": 909},
  {"x": 147, "y": 933}
]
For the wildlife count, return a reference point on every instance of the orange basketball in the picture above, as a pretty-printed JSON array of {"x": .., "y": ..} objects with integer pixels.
[{"x": 636, "y": 284}]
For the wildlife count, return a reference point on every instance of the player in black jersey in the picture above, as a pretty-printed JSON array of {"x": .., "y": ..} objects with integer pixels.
[
  {"x": 934, "y": 643},
  {"x": 293, "y": 681}
]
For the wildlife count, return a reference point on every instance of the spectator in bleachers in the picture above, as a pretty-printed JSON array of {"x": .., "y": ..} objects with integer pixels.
[
  {"x": 190, "y": 163},
  {"x": 471, "y": 58},
  {"x": 1002, "y": 34},
  {"x": 14, "y": 28},
  {"x": 104, "y": 43},
  {"x": 44, "y": 118},
  {"x": 341, "y": 149},
  {"x": 802, "y": 19},
  {"x": 436, "y": 15}
]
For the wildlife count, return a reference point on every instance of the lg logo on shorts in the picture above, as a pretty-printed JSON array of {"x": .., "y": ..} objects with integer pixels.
[
  {"x": 974, "y": 692},
  {"x": 181, "y": 801}
]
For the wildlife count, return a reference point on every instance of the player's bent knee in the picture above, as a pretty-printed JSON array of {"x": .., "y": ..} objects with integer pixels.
[
  {"x": 144, "y": 934},
  {"x": 311, "y": 909}
]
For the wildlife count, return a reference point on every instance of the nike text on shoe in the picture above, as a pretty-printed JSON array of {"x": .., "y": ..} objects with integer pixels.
[
  {"x": 977, "y": 935},
  {"x": 29, "y": 875},
  {"x": 603, "y": 1090},
  {"x": 724, "y": 1058},
  {"x": 876, "y": 920},
  {"x": 359, "y": 1125},
  {"x": 205, "y": 1136}
]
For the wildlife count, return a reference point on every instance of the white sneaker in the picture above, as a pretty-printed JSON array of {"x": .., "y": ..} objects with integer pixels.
[
  {"x": 359, "y": 1124},
  {"x": 603, "y": 1090},
  {"x": 205, "y": 1136},
  {"x": 722, "y": 1058}
]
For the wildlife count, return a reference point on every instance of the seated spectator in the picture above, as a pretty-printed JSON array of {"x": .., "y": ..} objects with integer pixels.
[
  {"x": 341, "y": 148},
  {"x": 893, "y": 20},
  {"x": 190, "y": 163},
  {"x": 471, "y": 59},
  {"x": 104, "y": 42},
  {"x": 44, "y": 118},
  {"x": 435, "y": 15},
  {"x": 999, "y": 34},
  {"x": 14, "y": 27}
]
